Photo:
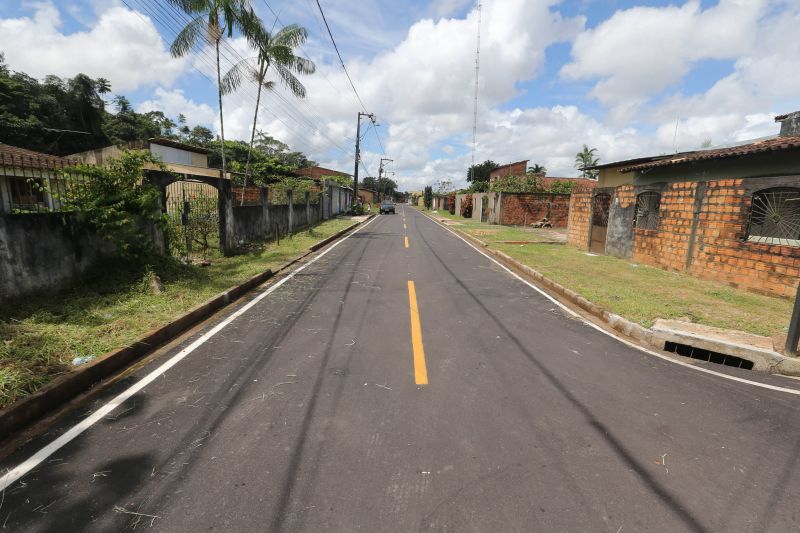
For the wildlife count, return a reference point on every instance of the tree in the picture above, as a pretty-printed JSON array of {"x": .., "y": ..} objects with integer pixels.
[
  {"x": 210, "y": 21},
  {"x": 444, "y": 186},
  {"x": 537, "y": 169},
  {"x": 428, "y": 197},
  {"x": 480, "y": 172},
  {"x": 273, "y": 51},
  {"x": 586, "y": 158}
]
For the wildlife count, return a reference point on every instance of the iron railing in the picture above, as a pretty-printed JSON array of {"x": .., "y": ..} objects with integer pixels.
[{"x": 37, "y": 184}]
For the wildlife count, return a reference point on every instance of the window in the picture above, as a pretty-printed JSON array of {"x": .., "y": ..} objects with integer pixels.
[
  {"x": 647, "y": 207},
  {"x": 775, "y": 216},
  {"x": 26, "y": 194}
]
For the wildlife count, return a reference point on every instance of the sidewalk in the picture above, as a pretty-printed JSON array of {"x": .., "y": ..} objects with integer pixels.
[{"x": 638, "y": 293}]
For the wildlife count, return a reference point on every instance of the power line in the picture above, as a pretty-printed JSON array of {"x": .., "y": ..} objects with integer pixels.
[{"x": 340, "y": 56}]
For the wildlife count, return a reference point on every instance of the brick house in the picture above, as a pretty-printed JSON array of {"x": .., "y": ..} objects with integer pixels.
[
  {"x": 319, "y": 173},
  {"x": 730, "y": 214}
]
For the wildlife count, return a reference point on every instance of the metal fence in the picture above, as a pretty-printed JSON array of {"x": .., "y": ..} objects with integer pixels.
[{"x": 38, "y": 184}]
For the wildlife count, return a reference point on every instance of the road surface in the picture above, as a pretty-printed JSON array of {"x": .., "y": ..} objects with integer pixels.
[{"x": 404, "y": 382}]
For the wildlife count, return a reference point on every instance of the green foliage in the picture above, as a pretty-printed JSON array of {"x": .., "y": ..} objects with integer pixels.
[
  {"x": 481, "y": 171},
  {"x": 466, "y": 206},
  {"x": 345, "y": 181},
  {"x": 116, "y": 201},
  {"x": 428, "y": 197},
  {"x": 562, "y": 187},
  {"x": 537, "y": 169},
  {"x": 586, "y": 158},
  {"x": 479, "y": 186},
  {"x": 451, "y": 201},
  {"x": 527, "y": 183},
  {"x": 298, "y": 186}
]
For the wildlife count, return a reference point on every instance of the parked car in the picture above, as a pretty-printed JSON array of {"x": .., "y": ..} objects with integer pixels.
[{"x": 387, "y": 206}]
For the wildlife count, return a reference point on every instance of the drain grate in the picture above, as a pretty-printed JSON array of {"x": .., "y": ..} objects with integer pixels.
[{"x": 707, "y": 355}]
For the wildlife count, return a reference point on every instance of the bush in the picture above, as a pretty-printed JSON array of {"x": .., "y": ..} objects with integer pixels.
[
  {"x": 466, "y": 206},
  {"x": 528, "y": 183},
  {"x": 451, "y": 201}
]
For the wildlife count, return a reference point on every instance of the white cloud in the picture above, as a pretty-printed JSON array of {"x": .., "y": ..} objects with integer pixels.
[
  {"x": 641, "y": 51},
  {"x": 174, "y": 103},
  {"x": 122, "y": 46}
]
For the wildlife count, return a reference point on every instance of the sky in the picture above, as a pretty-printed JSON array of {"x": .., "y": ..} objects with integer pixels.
[{"x": 629, "y": 78}]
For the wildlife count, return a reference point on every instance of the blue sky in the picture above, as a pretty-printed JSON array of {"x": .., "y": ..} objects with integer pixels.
[{"x": 616, "y": 75}]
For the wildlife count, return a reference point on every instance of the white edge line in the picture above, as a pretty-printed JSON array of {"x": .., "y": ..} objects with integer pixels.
[
  {"x": 610, "y": 334},
  {"x": 23, "y": 468}
]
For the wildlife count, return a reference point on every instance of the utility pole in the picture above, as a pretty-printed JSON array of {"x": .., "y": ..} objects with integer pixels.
[
  {"x": 358, "y": 153},
  {"x": 380, "y": 173}
]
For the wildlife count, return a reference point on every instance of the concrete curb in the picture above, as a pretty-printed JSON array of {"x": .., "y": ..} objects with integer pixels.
[
  {"x": 64, "y": 388},
  {"x": 771, "y": 362}
]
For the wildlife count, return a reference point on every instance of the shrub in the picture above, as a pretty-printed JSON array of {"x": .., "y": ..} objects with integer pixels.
[{"x": 466, "y": 206}]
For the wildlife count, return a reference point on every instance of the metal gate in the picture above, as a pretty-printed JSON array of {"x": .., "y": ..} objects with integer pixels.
[
  {"x": 601, "y": 204},
  {"x": 193, "y": 218}
]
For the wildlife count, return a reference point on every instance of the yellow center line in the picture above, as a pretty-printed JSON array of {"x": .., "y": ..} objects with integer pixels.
[
  {"x": 406, "y": 241},
  {"x": 404, "y": 226},
  {"x": 420, "y": 369}
]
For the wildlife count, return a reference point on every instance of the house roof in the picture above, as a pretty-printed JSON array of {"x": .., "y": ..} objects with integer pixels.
[
  {"x": 179, "y": 145},
  {"x": 774, "y": 144},
  {"x": 30, "y": 158}
]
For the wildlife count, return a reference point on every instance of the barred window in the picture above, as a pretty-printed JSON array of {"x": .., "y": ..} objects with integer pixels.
[
  {"x": 647, "y": 210},
  {"x": 775, "y": 216}
]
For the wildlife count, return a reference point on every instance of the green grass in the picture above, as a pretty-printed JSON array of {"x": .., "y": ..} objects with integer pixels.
[
  {"x": 40, "y": 335},
  {"x": 637, "y": 292}
]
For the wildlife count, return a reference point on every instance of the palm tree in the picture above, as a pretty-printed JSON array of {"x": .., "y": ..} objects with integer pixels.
[
  {"x": 277, "y": 51},
  {"x": 211, "y": 20},
  {"x": 537, "y": 169},
  {"x": 585, "y": 159}
]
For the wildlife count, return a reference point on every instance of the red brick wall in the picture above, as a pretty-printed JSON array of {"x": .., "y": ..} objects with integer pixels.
[
  {"x": 514, "y": 169},
  {"x": 667, "y": 246},
  {"x": 252, "y": 195},
  {"x": 721, "y": 253},
  {"x": 518, "y": 209},
  {"x": 580, "y": 213}
]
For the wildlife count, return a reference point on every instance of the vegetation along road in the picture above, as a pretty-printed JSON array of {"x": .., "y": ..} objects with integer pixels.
[{"x": 400, "y": 380}]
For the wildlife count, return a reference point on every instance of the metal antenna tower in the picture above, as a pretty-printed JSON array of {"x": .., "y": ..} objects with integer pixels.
[{"x": 475, "y": 105}]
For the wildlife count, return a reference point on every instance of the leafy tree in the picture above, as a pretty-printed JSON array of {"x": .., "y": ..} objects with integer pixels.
[
  {"x": 273, "y": 51},
  {"x": 200, "y": 136},
  {"x": 428, "y": 196},
  {"x": 537, "y": 169},
  {"x": 369, "y": 183},
  {"x": 444, "y": 186},
  {"x": 586, "y": 158},
  {"x": 479, "y": 186},
  {"x": 211, "y": 20},
  {"x": 115, "y": 200},
  {"x": 481, "y": 171},
  {"x": 346, "y": 181}
]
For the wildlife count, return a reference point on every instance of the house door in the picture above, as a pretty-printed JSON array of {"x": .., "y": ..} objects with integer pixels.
[{"x": 601, "y": 204}]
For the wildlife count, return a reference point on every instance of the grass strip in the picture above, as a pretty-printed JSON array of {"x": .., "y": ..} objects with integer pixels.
[
  {"x": 639, "y": 293},
  {"x": 40, "y": 335}
]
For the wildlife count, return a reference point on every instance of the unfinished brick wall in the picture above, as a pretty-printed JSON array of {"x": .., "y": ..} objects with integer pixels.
[
  {"x": 716, "y": 213},
  {"x": 513, "y": 169},
  {"x": 252, "y": 195},
  {"x": 580, "y": 214},
  {"x": 722, "y": 251},
  {"x": 667, "y": 246},
  {"x": 519, "y": 209}
]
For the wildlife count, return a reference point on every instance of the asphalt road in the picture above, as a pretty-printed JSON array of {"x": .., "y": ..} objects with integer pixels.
[{"x": 304, "y": 413}]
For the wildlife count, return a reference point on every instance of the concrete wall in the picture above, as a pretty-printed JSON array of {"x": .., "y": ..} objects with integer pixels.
[
  {"x": 45, "y": 251},
  {"x": 256, "y": 224}
]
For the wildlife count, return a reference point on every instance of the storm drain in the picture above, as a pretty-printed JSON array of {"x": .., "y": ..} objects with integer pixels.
[{"x": 707, "y": 355}]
